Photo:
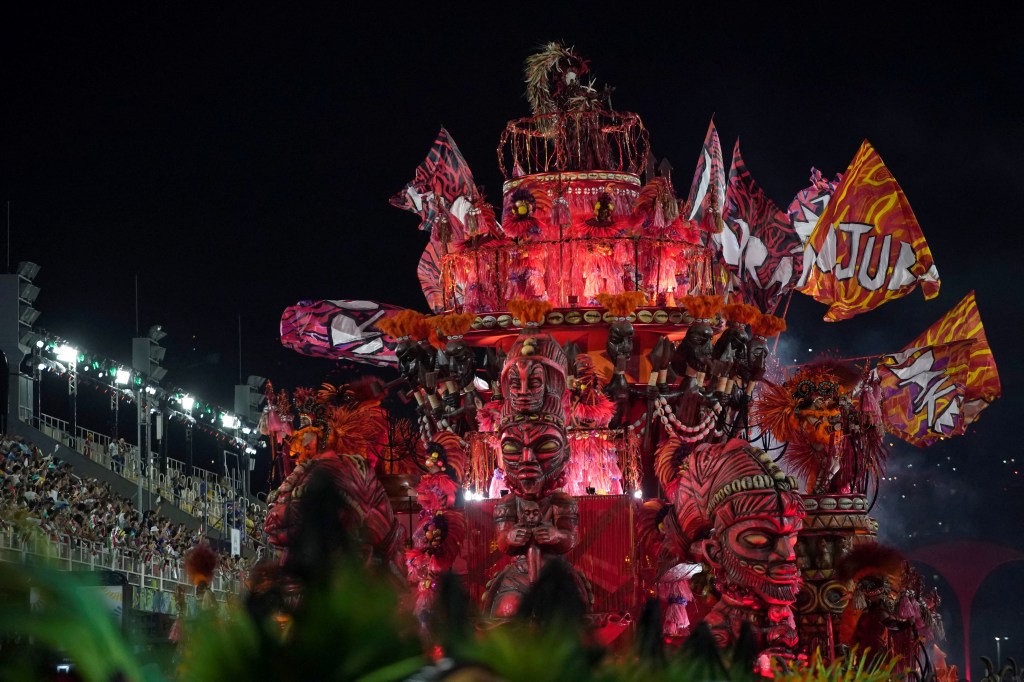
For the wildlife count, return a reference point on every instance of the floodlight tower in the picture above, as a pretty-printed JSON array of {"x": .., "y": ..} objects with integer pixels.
[
  {"x": 147, "y": 354},
  {"x": 17, "y": 336},
  {"x": 249, "y": 401}
]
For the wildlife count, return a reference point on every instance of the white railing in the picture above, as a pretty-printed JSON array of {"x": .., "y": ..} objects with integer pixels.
[{"x": 158, "y": 574}]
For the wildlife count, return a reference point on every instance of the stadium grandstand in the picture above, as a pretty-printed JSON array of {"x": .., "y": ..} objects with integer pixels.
[{"x": 126, "y": 505}]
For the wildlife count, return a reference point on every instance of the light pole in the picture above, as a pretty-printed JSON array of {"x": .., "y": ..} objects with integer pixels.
[
  {"x": 999, "y": 653},
  {"x": 69, "y": 356}
]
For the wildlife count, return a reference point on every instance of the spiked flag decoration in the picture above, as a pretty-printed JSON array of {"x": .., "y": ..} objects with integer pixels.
[
  {"x": 441, "y": 188},
  {"x": 808, "y": 205},
  {"x": 339, "y": 330},
  {"x": 708, "y": 179},
  {"x": 758, "y": 241},
  {"x": 937, "y": 386},
  {"x": 866, "y": 247}
]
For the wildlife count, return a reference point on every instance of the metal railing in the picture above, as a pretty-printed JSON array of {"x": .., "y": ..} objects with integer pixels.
[{"x": 154, "y": 578}]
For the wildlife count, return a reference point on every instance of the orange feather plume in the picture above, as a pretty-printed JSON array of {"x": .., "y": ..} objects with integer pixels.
[
  {"x": 702, "y": 307},
  {"x": 200, "y": 563},
  {"x": 622, "y": 305},
  {"x": 740, "y": 313},
  {"x": 405, "y": 323},
  {"x": 455, "y": 324},
  {"x": 529, "y": 311},
  {"x": 767, "y": 325}
]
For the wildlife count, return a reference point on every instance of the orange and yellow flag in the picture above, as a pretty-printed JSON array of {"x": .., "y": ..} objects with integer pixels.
[
  {"x": 938, "y": 384},
  {"x": 963, "y": 322},
  {"x": 866, "y": 247}
]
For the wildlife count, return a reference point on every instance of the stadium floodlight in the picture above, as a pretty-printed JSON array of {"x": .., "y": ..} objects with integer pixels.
[
  {"x": 158, "y": 373},
  {"x": 67, "y": 354},
  {"x": 187, "y": 402},
  {"x": 28, "y": 292},
  {"x": 157, "y": 333},
  {"x": 230, "y": 421},
  {"x": 123, "y": 377},
  {"x": 28, "y": 270}
]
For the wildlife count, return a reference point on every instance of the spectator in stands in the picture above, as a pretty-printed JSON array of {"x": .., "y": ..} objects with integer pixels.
[{"x": 115, "y": 452}]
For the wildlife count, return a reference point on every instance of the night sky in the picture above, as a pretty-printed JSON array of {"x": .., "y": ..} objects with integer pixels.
[{"x": 232, "y": 162}]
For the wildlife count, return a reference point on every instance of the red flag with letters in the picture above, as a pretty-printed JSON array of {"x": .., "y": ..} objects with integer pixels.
[{"x": 867, "y": 247}]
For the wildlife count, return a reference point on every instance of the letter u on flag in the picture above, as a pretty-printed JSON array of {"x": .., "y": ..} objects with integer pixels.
[{"x": 866, "y": 247}]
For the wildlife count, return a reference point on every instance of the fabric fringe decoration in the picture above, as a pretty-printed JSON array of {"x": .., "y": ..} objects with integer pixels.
[
  {"x": 561, "y": 215},
  {"x": 482, "y": 460}
]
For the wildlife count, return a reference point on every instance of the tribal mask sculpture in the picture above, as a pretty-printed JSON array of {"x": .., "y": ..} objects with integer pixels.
[{"x": 740, "y": 514}]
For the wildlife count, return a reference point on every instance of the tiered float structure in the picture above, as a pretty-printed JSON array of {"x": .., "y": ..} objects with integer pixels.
[{"x": 593, "y": 385}]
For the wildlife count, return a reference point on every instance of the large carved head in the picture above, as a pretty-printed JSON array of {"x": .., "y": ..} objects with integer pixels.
[
  {"x": 535, "y": 454},
  {"x": 533, "y": 379},
  {"x": 742, "y": 514}
]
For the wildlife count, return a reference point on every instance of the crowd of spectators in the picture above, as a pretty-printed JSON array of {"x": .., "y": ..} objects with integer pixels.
[{"x": 43, "y": 490}]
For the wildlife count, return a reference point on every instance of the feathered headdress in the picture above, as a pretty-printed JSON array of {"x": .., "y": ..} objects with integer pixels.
[
  {"x": 200, "y": 564},
  {"x": 454, "y": 325},
  {"x": 543, "y": 68},
  {"x": 657, "y": 203},
  {"x": 356, "y": 430},
  {"x": 447, "y": 452}
]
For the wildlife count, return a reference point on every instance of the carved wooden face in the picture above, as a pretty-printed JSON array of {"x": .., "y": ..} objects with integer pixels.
[
  {"x": 757, "y": 555},
  {"x": 461, "y": 363},
  {"x": 620, "y": 340},
  {"x": 411, "y": 357},
  {"x": 525, "y": 386},
  {"x": 535, "y": 456},
  {"x": 695, "y": 349}
]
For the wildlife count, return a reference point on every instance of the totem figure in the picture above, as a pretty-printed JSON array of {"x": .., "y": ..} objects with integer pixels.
[
  {"x": 739, "y": 514},
  {"x": 438, "y": 538},
  {"x": 454, "y": 385},
  {"x": 616, "y": 365},
  {"x": 416, "y": 357},
  {"x": 729, "y": 362},
  {"x": 535, "y": 523},
  {"x": 692, "y": 361}
]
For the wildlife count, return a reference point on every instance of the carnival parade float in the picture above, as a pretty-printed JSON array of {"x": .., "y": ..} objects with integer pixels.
[{"x": 592, "y": 382}]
